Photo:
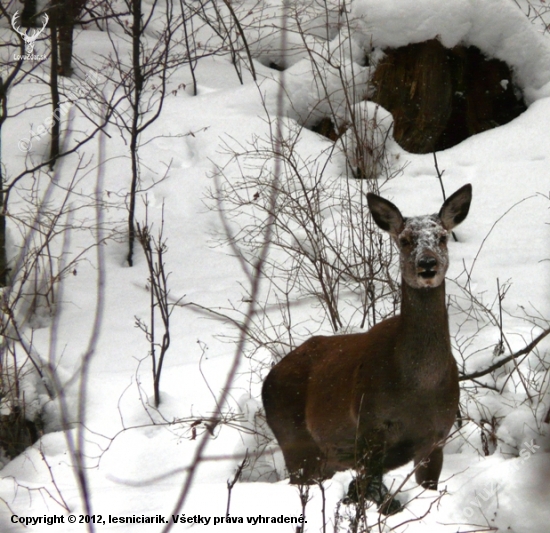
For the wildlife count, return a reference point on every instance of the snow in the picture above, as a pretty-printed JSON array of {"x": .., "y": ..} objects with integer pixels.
[
  {"x": 497, "y": 28},
  {"x": 137, "y": 456}
]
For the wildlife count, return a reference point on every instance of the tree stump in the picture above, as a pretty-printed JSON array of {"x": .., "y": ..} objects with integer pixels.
[{"x": 439, "y": 97}]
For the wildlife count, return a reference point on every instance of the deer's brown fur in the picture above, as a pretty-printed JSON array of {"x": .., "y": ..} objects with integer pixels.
[{"x": 377, "y": 400}]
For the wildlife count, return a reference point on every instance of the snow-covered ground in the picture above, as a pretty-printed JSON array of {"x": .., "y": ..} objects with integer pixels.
[{"x": 137, "y": 457}]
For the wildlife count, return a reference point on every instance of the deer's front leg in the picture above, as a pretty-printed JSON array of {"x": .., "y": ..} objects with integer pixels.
[{"x": 427, "y": 473}]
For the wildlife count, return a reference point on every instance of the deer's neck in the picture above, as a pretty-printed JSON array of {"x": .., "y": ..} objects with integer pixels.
[{"x": 424, "y": 345}]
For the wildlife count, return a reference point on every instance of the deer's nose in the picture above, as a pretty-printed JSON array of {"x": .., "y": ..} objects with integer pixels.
[{"x": 427, "y": 263}]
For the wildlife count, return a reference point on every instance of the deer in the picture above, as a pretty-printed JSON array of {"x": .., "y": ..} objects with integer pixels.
[{"x": 376, "y": 400}]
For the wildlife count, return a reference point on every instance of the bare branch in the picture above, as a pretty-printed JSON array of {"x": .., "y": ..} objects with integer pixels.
[{"x": 528, "y": 349}]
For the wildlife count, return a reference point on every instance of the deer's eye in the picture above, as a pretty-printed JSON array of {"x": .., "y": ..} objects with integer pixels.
[
  {"x": 403, "y": 241},
  {"x": 443, "y": 239}
]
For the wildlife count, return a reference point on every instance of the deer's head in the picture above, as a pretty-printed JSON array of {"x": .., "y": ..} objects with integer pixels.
[{"x": 422, "y": 241}]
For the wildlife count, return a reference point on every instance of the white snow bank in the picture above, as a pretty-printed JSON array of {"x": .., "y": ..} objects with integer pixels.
[
  {"x": 497, "y": 27},
  {"x": 313, "y": 91}
]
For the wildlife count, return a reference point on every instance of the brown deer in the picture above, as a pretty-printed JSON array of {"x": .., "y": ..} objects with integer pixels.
[{"x": 375, "y": 401}]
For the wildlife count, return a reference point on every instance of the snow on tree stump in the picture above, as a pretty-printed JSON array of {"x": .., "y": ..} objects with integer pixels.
[{"x": 438, "y": 97}]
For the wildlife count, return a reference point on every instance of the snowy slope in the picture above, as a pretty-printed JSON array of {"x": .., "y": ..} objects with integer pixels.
[{"x": 136, "y": 456}]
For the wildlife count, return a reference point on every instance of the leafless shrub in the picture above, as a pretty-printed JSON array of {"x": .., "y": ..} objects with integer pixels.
[
  {"x": 496, "y": 369},
  {"x": 325, "y": 249},
  {"x": 154, "y": 249}
]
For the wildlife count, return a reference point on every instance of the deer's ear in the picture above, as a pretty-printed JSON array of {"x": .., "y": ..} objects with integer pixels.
[
  {"x": 456, "y": 207},
  {"x": 385, "y": 214}
]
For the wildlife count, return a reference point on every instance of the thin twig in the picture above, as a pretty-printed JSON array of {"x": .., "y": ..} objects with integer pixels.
[{"x": 440, "y": 178}]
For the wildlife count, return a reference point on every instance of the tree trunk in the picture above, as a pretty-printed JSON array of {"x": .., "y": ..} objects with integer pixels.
[{"x": 64, "y": 14}]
